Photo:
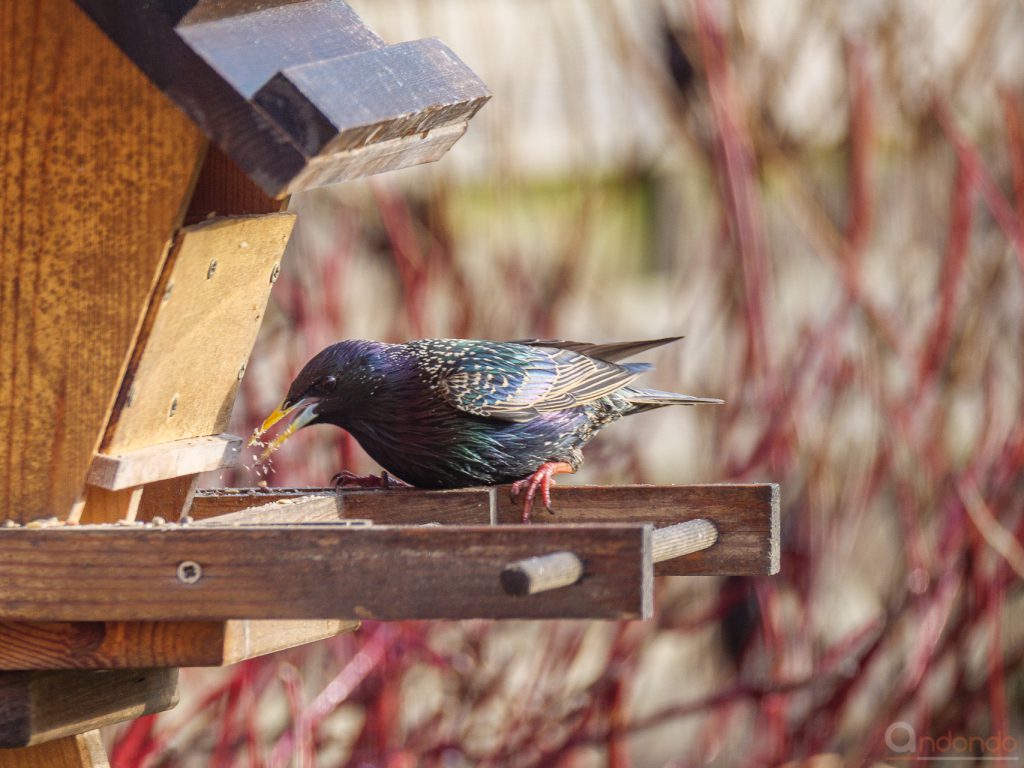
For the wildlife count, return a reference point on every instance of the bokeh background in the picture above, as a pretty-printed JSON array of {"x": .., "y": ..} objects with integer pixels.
[{"x": 827, "y": 199}]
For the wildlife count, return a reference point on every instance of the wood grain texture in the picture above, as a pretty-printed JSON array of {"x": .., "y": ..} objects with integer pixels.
[
  {"x": 103, "y": 506},
  {"x": 223, "y": 189},
  {"x": 135, "y": 644},
  {"x": 746, "y": 516},
  {"x": 401, "y": 506},
  {"x": 199, "y": 331},
  {"x": 169, "y": 499},
  {"x": 97, "y": 168},
  {"x": 390, "y": 93},
  {"x": 314, "y": 571},
  {"x": 83, "y": 750},
  {"x": 164, "y": 461},
  {"x": 41, "y": 706}
]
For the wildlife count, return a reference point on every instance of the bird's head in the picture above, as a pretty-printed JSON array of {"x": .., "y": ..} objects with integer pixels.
[{"x": 340, "y": 380}]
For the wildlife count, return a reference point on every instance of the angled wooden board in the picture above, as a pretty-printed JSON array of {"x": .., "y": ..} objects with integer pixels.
[
  {"x": 190, "y": 357},
  {"x": 97, "y": 170},
  {"x": 316, "y": 570},
  {"x": 83, "y": 750}
]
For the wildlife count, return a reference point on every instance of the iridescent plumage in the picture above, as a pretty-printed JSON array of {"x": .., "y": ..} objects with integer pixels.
[{"x": 450, "y": 413}]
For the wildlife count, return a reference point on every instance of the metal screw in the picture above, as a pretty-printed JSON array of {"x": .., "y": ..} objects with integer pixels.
[
  {"x": 174, "y": 406},
  {"x": 167, "y": 291},
  {"x": 211, "y": 269},
  {"x": 189, "y": 571},
  {"x": 275, "y": 273},
  {"x": 133, "y": 391},
  {"x": 241, "y": 372}
]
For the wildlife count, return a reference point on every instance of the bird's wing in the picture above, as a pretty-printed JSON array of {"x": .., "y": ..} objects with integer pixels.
[
  {"x": 516, "y": 382},
  {"x": 610, "y": 352}
]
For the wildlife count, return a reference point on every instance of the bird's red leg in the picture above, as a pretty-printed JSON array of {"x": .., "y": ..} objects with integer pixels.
[
  {"x": 346, "y": 479},
  {"x": 542, "y": 479}
]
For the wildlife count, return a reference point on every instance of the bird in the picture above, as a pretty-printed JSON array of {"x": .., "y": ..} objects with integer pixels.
[{"x": 456, "y": 413}]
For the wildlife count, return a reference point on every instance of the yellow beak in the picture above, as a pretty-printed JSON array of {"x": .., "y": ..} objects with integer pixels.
[{"x": 307, "y": 415}]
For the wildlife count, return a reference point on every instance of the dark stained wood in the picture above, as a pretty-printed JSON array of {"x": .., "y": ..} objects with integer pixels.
[
  {"x": 402, "y": 506},
  {"x": 746, "y": 516},
  {"x": 401, "y": 90},
  {"x": 214, "y": 57},
  {"x": 41, "y": 706},
  {"x": 314, "y": 571},
  {"x": 134, "y": 644},
  {"x": 223, "y": 189},
  {"x": 83, "y": 750},
  {"x": 97, "y": 169}
]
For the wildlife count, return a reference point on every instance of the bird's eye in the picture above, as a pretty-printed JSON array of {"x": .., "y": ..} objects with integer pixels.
[{"x": 328, "y": 384}]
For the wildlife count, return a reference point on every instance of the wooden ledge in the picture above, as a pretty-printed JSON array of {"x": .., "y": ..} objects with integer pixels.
[
  {"x": 178, "y": 573},
  {"x": 745, "y": 515},
  {"x": 41, "y": 706},
  {"x": 128, "y": 644},
  {"x": 164, "y": 461}
]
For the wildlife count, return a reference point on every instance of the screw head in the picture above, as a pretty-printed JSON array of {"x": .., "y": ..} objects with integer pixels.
[
  {"x": 211, "y": 269},
  {"x": 189, "y": 571},
  {"x": 167, "y": 291},
  {"x": 133, "y": 392},
  {"x": 275, "y": 273},
  {"x": 174, "y": 407},
  {"x": 241, "y": 372}
]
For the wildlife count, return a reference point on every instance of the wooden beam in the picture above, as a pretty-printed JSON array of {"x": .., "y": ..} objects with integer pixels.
[
  {"x": 164, "y": 461},
  {"x": 41, "y": 706},
  {"x": 96, "y": 175},
  {"x": 746, "y": 517},
  {"x": 134, "y": 644},
  {"x": 83, "y": 750},
  {"x": 313, "y": 571}
]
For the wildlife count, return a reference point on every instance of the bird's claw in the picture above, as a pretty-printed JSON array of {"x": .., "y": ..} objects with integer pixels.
[
  {"x": 541, "y": 480},
  {"x": 386, "y": 481}
]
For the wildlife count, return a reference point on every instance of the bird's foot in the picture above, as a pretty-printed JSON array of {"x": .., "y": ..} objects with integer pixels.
[
  {"x": 346, "y": 479},
  {"x": 541, "y": 480}
]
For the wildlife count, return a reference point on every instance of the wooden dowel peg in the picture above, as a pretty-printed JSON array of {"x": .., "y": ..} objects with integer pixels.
[
  {"x": 543, "y": 573},
  {"x": 682, "y": 539}
]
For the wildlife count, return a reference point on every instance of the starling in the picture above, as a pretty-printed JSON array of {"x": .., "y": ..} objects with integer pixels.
[{"x": 454, "y": 413}]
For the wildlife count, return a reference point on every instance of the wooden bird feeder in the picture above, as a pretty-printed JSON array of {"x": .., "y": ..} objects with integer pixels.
[{"x": 148, "y": 149}]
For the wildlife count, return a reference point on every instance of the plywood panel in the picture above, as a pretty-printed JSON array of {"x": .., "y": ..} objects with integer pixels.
[
  {"x": 185, "y": 371},
  {"x": 97, "y": 167}
]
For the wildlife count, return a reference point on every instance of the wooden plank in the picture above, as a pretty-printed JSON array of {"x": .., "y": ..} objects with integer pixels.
[
  {"x": 746, "y": 516},
  {"x": 167, "y": 499},
  {"x": 389, "y": 93},
  {"x": 204, "y": 318},
  {"x": 83, "y": 750},
  {"x": 41, "y": 706},
  {"x": 313, "y": 571},
  {"x": 97, "y": 168},
  {"x": 164, "y": 461},
  {"x": 135, "y": 644},
  {"x": 402, "y": 506},
  {"x": 103, "y": 506}
]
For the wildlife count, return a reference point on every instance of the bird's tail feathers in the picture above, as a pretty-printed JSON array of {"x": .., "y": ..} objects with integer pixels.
[{"x": 646, "y": 399}]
